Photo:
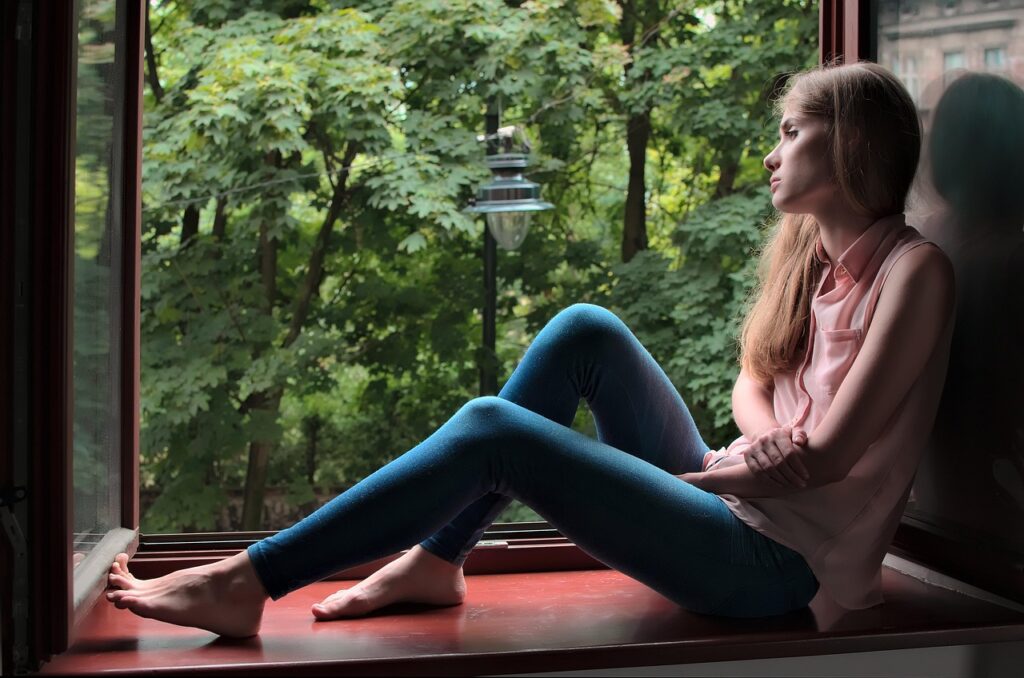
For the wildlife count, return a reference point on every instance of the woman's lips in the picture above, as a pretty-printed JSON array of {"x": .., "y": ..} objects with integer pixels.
[{"x": 774, "y": 183}]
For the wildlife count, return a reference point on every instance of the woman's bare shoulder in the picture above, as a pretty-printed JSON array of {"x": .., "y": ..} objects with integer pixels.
[{"x": 923, "y": 268}]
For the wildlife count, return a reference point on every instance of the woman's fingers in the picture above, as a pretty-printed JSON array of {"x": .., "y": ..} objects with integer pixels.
[
  {"x": 794, "y": 462},
  {"x": 781, "y": 465},
  {"x": 775, "y": 455},
  {"x": 766, "y": 462},
  {"x": 792, "y": 467},
  {"x": 788, "y": 441},
  {"x": 783, "y": 470}
]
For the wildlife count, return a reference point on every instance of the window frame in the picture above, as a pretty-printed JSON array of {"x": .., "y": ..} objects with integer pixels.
[
  {"x": 846, "y": 33},
  {"x": 89, "y": 579},
  {"x": 838, "y": 30},
  {"x": 39, "y": 73},
  {"x": 1002, "y": 51}
]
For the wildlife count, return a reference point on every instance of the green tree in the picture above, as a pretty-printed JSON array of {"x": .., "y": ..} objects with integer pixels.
[{"x": 311, "y": 286}]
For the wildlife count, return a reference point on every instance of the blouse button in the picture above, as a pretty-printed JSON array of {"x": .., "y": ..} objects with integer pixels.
[{"x": 840, "y": 271}]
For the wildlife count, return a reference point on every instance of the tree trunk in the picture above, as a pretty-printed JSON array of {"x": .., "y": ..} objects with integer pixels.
[
  {"x": 633, "y": 32},
  {"x": 634, "y": 231},
  {"x": 728, "y": 169},
  {"x": 267, "y": 402},
  {"x": 312, "y": 435},
  {"x": 220, "y": 220},
  {"x": 259, "y": 459},
  {"x": 189, "y": 225},
  {"x": 152, "y": 76},
  {"x": 268, "y": 267}
]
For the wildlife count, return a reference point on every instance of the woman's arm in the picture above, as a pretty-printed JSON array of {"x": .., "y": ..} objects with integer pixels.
[
  {"x": 738, "y": 479},
  {"x": 913, "y": 311},
  {"x": 752, "y": 406},
  {"x": 754, "y": 411}
]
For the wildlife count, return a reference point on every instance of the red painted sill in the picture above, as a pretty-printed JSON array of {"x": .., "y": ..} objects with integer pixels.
[{"x": 530, "y": 621}]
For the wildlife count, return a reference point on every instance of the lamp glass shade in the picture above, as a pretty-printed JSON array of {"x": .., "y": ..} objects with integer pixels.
[{"x": 509, "y": 228}]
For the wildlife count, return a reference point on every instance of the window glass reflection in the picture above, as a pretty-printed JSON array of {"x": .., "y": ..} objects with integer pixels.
[
  {"x": 97, "y": 275},
  {"x": 967, "y": 199}
]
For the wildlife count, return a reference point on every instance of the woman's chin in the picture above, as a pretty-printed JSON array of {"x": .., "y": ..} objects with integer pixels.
[{"x": 787, "y": 206}]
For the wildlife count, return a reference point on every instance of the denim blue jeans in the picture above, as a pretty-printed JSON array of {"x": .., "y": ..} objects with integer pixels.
[{"x": 618, "y": 497}]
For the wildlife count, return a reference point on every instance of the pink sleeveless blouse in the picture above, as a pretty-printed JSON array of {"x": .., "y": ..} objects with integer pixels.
[{"x": 843, "y": 529}]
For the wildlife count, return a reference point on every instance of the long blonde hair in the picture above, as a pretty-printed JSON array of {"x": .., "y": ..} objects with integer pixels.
[{"x": 874, "y": 140}]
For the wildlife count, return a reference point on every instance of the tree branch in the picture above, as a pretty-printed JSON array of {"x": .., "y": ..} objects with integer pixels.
[
  {"x": 151, "y": 69},
  {"x": 315, "y": 270}
]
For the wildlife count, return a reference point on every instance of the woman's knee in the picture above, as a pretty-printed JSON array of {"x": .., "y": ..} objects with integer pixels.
[
  {"x": 490, "y": 422},
  {"x": 588, "y": 323},
  {"x": 485, "y": 407},
  {"x": 489, "y": 414}
]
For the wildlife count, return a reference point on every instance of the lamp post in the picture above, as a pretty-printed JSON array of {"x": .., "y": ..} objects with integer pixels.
[{"x": 508, "y": 202}]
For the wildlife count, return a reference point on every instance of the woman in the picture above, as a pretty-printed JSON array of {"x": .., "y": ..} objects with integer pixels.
[{"x": 838, "y": 388}]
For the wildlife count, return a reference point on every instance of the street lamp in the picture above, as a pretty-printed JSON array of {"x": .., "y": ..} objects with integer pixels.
[{"x": 508, "y": 201}]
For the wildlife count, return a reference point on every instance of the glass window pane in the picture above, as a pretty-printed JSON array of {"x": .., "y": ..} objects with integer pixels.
[
  {"x": 97, "y": 276},
  {"x": 285, "y": 359},
  {"x": 995, "y": 58},
  {"x": 967, "y": 199}
]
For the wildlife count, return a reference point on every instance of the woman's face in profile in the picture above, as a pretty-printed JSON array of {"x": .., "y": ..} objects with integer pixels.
[{"x": 801, "y": 166}]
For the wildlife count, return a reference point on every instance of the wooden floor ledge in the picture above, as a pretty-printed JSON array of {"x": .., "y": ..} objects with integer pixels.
[{"x": 530, "y": 622}]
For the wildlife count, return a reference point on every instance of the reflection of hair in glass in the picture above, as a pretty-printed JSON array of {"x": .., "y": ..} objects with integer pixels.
[{"x": 977, "y": 148}]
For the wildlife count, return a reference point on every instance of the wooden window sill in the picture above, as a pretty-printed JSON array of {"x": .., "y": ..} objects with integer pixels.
[{"x": 531, "y": 622}]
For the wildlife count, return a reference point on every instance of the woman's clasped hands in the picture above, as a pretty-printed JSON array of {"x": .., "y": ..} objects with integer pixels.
[{"x": 776, "y": 454}]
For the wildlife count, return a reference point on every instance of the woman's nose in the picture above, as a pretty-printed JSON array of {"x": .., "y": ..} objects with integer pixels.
[{"x": 771, "y": 162}]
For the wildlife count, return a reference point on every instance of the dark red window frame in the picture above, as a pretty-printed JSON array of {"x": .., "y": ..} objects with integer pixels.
[
  {"x": 845, "y": 28},
  {"x": 37, "y": 82}
]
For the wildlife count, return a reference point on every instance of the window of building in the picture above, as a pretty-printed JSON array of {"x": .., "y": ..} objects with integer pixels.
[
  {"x": 905, "y": 67},
  {"x": 995, "y": 58},
  {"x": 949, "y": 7},
  {"x": 953, "y": 60},
  {"x": 909, "y": 7}
]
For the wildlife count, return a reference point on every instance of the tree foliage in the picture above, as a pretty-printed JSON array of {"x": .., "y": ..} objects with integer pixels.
[{"x": 312, "y": 292}]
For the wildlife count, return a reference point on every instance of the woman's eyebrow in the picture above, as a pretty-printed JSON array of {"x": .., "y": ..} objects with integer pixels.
[{"x": 788, "y": 121}]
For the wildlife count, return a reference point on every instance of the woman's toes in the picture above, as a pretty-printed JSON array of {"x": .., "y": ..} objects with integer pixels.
[
  {"x": 119, "y": 581},
  {"x": 347, "y": 602},
  {"x": 121, "y": 565},
  {"x": 126, "y": 602}
]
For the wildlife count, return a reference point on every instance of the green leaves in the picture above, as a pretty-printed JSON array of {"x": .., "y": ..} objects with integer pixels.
[
  {"x": 334, "y": 150},
  {"x": 688, "y": 316}
]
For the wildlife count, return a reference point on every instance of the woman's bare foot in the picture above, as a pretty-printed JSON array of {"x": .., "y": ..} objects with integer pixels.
[
  {"x": 225, "y": 597},
  {"x": 416, "y": 577}
]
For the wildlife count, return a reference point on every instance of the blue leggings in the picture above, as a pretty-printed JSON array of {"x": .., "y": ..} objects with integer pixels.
[{"x": 617, "y": 498}]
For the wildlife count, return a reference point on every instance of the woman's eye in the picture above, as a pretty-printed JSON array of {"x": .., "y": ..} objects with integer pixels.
[{"x": 791, "y": 133}]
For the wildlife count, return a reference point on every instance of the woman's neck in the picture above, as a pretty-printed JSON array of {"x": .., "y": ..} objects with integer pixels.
[{"x": 840, "y": 228}]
